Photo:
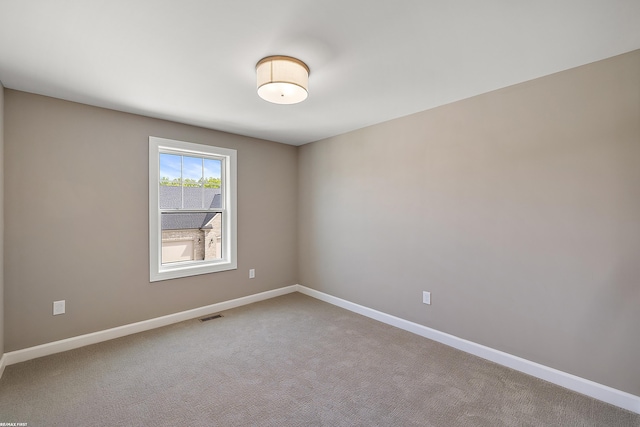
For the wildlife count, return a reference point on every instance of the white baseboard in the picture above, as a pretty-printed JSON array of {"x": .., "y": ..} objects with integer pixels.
[
  {"x": 3, "y": 363},
  {"x": 572, "y": 382},
  {"x": 80, "y": 341}
]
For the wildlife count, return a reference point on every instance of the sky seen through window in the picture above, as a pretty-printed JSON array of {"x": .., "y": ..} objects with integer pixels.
[{"x": 191, "y": 168}]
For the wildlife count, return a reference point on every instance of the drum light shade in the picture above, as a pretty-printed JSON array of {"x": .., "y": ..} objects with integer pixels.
[{"x": 282, "y": 79}]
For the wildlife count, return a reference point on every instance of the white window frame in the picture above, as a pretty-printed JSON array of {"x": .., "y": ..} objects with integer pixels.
[{"x": 228, "y": 261}]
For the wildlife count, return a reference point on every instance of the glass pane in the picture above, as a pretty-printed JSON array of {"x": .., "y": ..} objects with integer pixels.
[
  {"x": 191, "y": 236},
  {"x": 170, "y": 174},
  {"x": 192, "y": 182},
  {"x": 213, "y": 237},
  {"x": 212, "y": 183}
]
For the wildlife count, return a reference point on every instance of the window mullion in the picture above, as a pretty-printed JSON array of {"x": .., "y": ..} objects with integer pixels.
[
  {"x": 202, "y": 183},
  {"x": 182, "y": 182},
  {"x": 216, "y": 210}
]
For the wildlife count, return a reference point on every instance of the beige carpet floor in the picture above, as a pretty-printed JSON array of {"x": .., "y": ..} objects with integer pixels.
[{"x": 289, "y": 361}]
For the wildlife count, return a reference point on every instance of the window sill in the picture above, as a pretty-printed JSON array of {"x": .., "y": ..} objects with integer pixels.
[{"x": 191, "y": 269}]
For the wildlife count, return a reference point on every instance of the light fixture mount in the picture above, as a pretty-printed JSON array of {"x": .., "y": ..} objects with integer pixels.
[{"x": 282, "y": 79}]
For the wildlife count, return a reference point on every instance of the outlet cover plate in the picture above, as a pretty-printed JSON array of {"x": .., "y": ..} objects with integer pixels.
[
  {"x": 58, "y": 307},
  {"x": 426, "y": 297}
]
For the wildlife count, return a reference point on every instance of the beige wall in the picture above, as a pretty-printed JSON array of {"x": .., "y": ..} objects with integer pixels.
[
  {"x": 78, "y": 175},
  {"x": 1, "y": 219},
  {"x": 518, "y": 209}
]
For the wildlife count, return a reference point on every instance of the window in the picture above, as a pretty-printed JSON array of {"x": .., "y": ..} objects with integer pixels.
[{"x": 192, "y": 209}]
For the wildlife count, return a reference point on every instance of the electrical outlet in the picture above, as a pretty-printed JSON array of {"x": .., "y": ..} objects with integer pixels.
[
  {"x": 58, "y": 307},
  {"x": 426, "y": 297},
  {"x": 252, "y": 273}
]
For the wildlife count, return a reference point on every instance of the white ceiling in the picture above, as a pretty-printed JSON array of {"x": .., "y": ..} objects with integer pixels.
[{"x": 192, "y": 61}]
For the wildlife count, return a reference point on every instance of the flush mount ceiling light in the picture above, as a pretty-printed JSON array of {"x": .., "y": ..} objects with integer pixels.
[{"x": 282, "y": 79}]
